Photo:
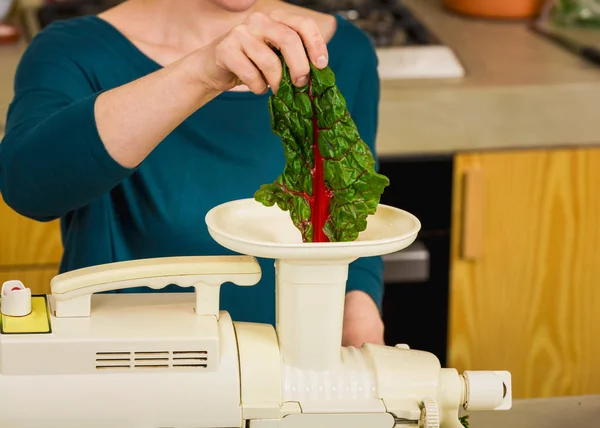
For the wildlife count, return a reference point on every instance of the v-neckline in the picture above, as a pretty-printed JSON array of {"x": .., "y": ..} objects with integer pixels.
[{"x": 155, "y": 66}]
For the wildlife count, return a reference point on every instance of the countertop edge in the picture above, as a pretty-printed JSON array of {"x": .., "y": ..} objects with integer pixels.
[{"x": 554, "y": 412}]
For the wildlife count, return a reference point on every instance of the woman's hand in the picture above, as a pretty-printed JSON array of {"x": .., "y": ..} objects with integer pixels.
[
  {"x": 362, "y": 321},
  {"x": 134, "y": 118},
  {"x": 245, "y": 56}
]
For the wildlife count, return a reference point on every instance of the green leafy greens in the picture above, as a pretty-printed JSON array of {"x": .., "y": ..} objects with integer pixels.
[{"x": 329, "y": 184}]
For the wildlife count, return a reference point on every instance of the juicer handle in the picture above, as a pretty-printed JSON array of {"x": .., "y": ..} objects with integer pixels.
[{"x": 72, "y": 291}]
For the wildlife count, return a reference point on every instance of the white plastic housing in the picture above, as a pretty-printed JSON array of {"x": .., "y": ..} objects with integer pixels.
[
  {"x": 79, "y": 370},
  {"x": 310, "y": 309},
  {"x": 311, "y": 277},
  {"x": 16, "y": 299},
  {"x": 371, "y": 379},
  {"x": 176, "y": 360},
  {"x": 72, "y": 291},
  {"x": 488, "y": 390},
  {"x": 139, "y": 361}
]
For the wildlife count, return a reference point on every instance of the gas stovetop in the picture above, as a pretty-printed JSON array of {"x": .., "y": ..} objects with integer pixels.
[
  {"x": 388, "y": 22},
  {"x": 405, "y": 46}
]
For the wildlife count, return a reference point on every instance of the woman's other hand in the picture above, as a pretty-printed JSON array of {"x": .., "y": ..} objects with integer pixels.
[
  {"x": 362, "y": 321},
  {"x": 245, "y": 56}
]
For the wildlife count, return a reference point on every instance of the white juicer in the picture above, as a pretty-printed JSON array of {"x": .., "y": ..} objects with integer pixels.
[{"x": 76, "y": 359}]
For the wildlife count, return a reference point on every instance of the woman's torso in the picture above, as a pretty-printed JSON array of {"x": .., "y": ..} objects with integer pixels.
[{"x": 223, "y": 152}]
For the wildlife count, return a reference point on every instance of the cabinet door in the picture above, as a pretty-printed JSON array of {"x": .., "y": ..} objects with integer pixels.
[
  {"x": 36, "y": 279},
  {"x": 525, "y": 273},
  {"x": 27, "y": 242}
]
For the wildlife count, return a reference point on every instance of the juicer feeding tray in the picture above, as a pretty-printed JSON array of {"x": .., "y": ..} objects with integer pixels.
[{"x": 248, "y": 227}]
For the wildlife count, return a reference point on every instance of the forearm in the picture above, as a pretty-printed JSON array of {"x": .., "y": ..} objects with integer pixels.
[
  {"x": 134, "y": 118},
  {"x": 362, "y": 320},
  {"x": 364, "y": 295},
  {"x": 61, "y": 157}
]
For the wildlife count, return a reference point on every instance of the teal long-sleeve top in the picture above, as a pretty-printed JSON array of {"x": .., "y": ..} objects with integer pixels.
[{"x": 53, "y": 163}]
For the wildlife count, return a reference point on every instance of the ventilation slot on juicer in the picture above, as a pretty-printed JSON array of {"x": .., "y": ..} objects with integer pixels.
[{"x": 151, "y": 360}]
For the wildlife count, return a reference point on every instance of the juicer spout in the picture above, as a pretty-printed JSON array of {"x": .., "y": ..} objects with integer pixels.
[
  {"x": 310, "y": 277},
  {"x": 310, "y": 311}
]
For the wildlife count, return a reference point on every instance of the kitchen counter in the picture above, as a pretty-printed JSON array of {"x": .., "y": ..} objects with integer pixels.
[
  {"x": 520, "y": 91},
  {"x": 560, "y": 412}
]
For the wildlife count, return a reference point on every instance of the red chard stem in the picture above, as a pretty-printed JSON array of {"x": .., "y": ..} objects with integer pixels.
[{"x": 329, "y": 184}]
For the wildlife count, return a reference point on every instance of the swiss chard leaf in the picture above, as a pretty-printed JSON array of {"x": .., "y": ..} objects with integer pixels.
[{"x": 329, "y": 184}]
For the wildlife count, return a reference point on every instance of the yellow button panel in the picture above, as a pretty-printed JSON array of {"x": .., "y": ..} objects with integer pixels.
[{"x": 38, "y": 321}]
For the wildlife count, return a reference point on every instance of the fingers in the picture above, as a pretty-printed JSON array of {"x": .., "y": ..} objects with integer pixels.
[
  {"x": 247, "y": 50},
  {"x": 235, "y": 60},
  {"x": 309, "y": 32},
  {"x": 264, "y": 58},
  {"x": 287, "y": 41}
]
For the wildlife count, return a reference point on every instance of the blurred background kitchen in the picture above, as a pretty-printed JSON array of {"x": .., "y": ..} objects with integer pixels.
[{"x": 489, "y": 133}]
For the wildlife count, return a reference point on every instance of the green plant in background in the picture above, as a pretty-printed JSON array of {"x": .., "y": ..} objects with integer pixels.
[
  {"x": 464, "y": 421},
  {"x": 576, "y": 13}
]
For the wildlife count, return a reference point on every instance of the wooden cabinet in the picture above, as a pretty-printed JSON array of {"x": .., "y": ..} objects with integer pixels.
[
  {"x": 25, "y": 242},
  {"x": 38, "y": 279},
  {"x": 525, "y": 269},
  {"x": 30, "y": 251}
]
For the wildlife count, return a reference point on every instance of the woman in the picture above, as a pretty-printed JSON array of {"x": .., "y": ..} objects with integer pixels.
[{"x": 129, "y": 126}]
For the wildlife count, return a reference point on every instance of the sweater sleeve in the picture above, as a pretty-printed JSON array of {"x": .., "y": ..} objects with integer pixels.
[
  {"x": 366, "y": 274},
  {"x": 52, "y": 160}
]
